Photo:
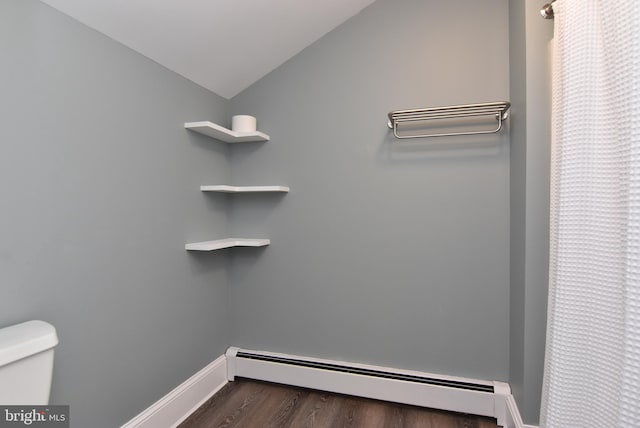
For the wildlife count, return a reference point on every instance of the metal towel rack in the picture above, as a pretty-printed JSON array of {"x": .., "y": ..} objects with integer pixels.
[{"x": 499, "y": 110}]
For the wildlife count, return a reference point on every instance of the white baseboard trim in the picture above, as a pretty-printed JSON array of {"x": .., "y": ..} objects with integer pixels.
[
  {"x": 177, "y": 405},
  {"x": 381, "y": 383},
  {"x": 513, "y": 418}
]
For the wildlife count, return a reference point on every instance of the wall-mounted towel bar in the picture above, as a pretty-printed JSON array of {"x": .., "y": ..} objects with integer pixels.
[{"x": 497, "y": 110}]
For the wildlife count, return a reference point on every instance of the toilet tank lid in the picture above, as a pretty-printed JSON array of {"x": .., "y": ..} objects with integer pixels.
[{"x": 22, "y": 340}]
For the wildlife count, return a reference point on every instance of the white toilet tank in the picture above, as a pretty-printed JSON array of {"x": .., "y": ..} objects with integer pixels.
[{"x": 26, "y": 363}]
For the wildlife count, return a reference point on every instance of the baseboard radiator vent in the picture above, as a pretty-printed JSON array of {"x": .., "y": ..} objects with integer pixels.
[{"x": 479, "y": 397}]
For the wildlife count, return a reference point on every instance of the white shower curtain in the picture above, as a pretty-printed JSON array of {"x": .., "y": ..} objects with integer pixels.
[{"x": 592, "y": 365}]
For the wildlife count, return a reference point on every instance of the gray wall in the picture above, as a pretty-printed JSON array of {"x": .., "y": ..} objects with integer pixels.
[
  {"x": 530, "y": 148},
  {"x": 387, "y": 252},
  {"x": 518, "y": 122},
  {"x": 99, "y": 185}
]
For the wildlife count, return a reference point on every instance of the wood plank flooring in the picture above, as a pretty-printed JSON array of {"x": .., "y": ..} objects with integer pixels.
[{"x": 248, "y": 404}]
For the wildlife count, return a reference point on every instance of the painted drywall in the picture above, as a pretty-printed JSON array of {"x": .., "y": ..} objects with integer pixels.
[
  {"x": 539, "y": 34},
  {"x": 387, "y": 252},
  {"x": 223, "y": 45},
  {"x": 100, "y": 191},
  {"x": 518, "y": 122},
  {"x": 530, "y": 37}
]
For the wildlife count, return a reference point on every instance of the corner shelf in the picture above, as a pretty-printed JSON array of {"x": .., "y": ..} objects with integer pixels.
[
  {"x": 218, "y": 132},
  {"x": 220, "y": 244},
  {"x": 245, "y": 189}
]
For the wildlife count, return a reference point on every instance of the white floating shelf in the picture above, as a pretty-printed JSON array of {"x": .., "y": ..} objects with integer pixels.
[
  {"x": 219, "y": 244},
  {"x": 244, "y": 189},
  {"x": 218, "y": 132}
]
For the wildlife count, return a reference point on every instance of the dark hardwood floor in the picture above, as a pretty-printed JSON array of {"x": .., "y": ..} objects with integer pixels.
[{"x": 247, "y": 404}]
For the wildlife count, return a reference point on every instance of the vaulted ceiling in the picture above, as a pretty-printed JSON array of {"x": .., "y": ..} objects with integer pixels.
[{"x": 222, "y": 45}]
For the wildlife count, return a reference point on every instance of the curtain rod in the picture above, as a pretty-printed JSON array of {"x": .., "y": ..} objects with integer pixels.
[{"x": 547, "y": 10}]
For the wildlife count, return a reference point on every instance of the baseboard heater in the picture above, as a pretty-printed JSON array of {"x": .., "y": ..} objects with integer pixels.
[{"x": 479, "y": 397}]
